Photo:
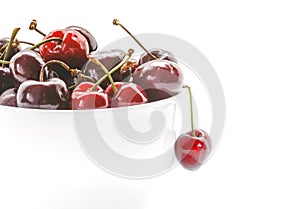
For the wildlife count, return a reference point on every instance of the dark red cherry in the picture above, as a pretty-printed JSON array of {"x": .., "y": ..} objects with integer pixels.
[
  {"x": 25, "y": 65},
  {"x": 83, "y": 98},
  {"x": 15, "y": 48},
  {"x": 129, "y": 94},
  {"x": 191, "y": 151},
  {"x": 160, "y": 54},
  {"x": 51, "y": 94},
  {"x": 159, "y": 78},
  {"x": 89, "y": 37},
  {"x": 6, "y": 80},
  {"x": 55, "y": 70},
  {"x": 109, "y": 59},
  {"x": 9, "y": 97},
  {"x": 73, "y": 49}
]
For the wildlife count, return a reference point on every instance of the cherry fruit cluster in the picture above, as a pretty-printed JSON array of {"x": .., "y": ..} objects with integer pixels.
[{"x": 67, "y": 71}]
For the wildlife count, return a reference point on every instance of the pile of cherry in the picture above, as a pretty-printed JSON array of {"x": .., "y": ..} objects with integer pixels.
[{"x": 66, "y": 71}]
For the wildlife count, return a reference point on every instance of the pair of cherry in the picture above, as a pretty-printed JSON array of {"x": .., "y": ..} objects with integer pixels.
[{"x": 157, "y": 77}]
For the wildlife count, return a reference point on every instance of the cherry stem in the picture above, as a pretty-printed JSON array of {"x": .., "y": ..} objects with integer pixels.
[
  {"x": 42, "y": 72},
  {"x": 16, "y": 44},
  {"x": 24, "y": 42},
  {"x": 4, "y": 62},
  {"x": 125, "y": 59},
  {"x": 59, "y": 40},
  {"x": 191, "y": 108},
  {"x": 118, "y": 23},
  {"x": 12, "y": 38},
  {"x": 33, "y": 26},
  {"x": 97, "y": 62}
]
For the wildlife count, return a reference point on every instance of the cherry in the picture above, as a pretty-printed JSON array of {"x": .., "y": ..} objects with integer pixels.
[
  {"x": 192, "y": 148},
  {"x": 6, "y": 80},
  {"x": 51, "y": 94},
  {"x": 161, "y": 54},
  {"x": 110, "y": 59},
  {"x": 90, "y": 95},
  {"x": 121, "y": 94},
  {"x": 72, "y": 50},
  {"x": 129, "y": 94},
  {"x": 110, "y": 91},
  {"x": 9, "y": 97},
  {"x": 25, "y": 65},
  {"x": 55, "y": 69},
  {"x": 15, "y": 48},
  {"x": 83, "y": 98},
  {"x": 160, "y": 79},
  {"x": 89, "y": 37}
]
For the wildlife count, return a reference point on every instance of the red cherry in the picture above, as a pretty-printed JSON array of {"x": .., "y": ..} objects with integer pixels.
[
  {"x": 110, "y": 90},
  {"x": 160, "y": 79},
  {"x": 128, "y": 94},
  {"x": 83, "y": 98},
  {"x": 191, "y": 150},
  {"x": 73, "y": 49},
  {"x": 85, "y": 86}
]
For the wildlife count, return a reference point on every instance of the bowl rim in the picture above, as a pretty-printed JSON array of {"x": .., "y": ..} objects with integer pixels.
[{"x": 144, "y": 105}]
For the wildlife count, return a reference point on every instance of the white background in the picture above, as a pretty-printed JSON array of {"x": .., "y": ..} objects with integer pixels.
[{"x": 254, "y": 47}]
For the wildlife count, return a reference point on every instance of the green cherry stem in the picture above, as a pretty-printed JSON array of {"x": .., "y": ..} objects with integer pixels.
[
  {"x": 4, "y": 62},
  {"x": 125, "y": 59},
  {"x": 11, "y": 40},
  {"x": 191, "y": 108},
  {"x": 59, "y": 40},
  {"x": 14, "y": 44},
  {"x": 97, "y": 62},
  {"x": 118, "y": 23}
]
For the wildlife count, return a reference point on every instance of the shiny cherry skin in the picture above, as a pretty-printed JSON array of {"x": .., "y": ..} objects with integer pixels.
[
  {"x": 89, "y": 37},
  {"x": 9, "y": 97},
  {"x": 51, "y": 94},
  {"x": 55, "y": 70},
  {"x": 129, "y": 94},
  {"x": 83, "y": 98},
  {"x": 73, "y": 49},
  {"x": 110, "y": 91},
  {"x": 160, "y": 54},
  {"x": 160, "y": 79},
  {"x": 6, "y": 80},
  {"x": 109, "y": 59},
  {"x": 15, "y": 48},
  {"x": 25, "y": 65},
  {"x": 191, "y": 151}
]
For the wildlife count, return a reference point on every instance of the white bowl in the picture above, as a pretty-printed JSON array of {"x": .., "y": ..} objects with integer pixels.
[{"x": 46, "y": 153}]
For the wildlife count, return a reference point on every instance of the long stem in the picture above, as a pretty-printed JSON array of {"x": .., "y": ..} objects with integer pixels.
[
  {"x": 24, "y": 42},
  {"x": 117, "y": 22},
  {"x": 46, "y": 41},
  {"x": 191, "y": 109},
  {"x": 125, "y": 59},
  {"x": 97, "y": 62},
  {"x": 12, "y": 38}
]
